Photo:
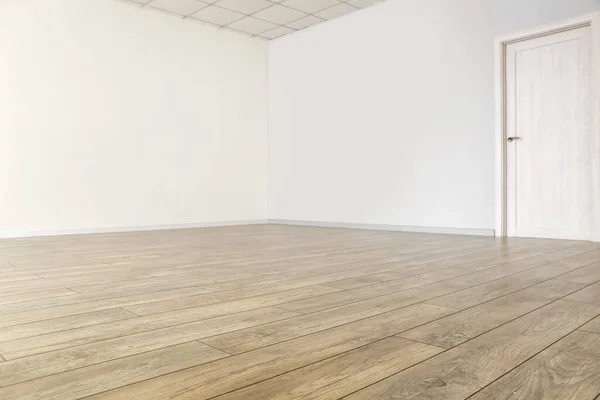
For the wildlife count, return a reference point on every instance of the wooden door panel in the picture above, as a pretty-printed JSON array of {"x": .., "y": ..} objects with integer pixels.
[{"x": 549, "y": 166}]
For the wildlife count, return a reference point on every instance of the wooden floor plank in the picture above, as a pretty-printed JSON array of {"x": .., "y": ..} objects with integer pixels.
[
  {"x": 500, "y": 287},
  {"x": 526, "y": 256},
  {"x": 116, "y": 373},
  {"x": 72, "y": 308},
  {"x": 463, "y": 370},
  {"x": 567, "y": 370},
  {"x": 340, "y": 375},
  {"x": 306, "y": 312},
  {"x": 244, "y": 369},
  {"x": 590, "y": 294},
  {"x": 15, "y": 332},
  {"x": 513, "y": 268},
  {"x": 458, "y": 328},
  {"x": 356, "y": 275},
  {"x": 44, "y": 294},
  {"x": 407, "y": 268},
  {"x": 181, "y": 303},
  {"x": 588, "y": 274},
  {"x": 34, "y": 285},
  {"x": 96, "y": 301},
  {"x": 253, "y": 338},
  {"x": 151, "y": 283},
  {"x": 412, "y": 258},
  {"x": 17, "y": 278},
  {"x": 554, "y": 288},
  {"x": 73, "y": 337},
  {"x": 592, "y": 326},
  {"x": 52, "y": 362},
  {"x": 485, "y": 292},
  {"x": 414, "y": 284}
]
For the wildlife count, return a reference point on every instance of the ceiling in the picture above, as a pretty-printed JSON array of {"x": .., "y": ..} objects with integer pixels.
[{"x": 266, "y": 19}]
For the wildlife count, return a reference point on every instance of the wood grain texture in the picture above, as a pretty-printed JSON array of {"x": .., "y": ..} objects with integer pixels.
[
  {"x": 267, "y": 291},
  {"x": 244, "y": 369},
  {"x": 555, "y": 288},
  {"x": 45, "y": 313},
  {"x": 341, "y": 375},
  {"x": 105, "y": 376},
  {"x": 588, "y": 274},
  {"x": 277, "y": 312},
  {"x": 73, "y": 337},
  {"x": 462, "y": 371},
  {"x": 590, "y": 294},
  {"x": 17, "y": 277},
  {"x": 513, "y": 268},
  {"x": 15, "y": 332},
  {"x": 567, "y": 370},
  {"x": 27, "y": 368},
  {"x": 458, "y": 328},
  {"x": 500, "y": 287},
  {"x": 44, "y": 294},
  {"x": 341, "y": 298},
  {"x": 261, "y": 336},
  {"x": 592, "y": 326}
]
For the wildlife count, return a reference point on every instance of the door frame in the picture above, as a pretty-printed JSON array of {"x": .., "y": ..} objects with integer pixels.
[{"x": 593, "y": 21}]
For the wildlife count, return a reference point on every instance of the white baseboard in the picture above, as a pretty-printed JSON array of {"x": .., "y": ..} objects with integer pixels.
[
  {"x": 129, "y": 229},
  {"x": 379, "y": 227}
]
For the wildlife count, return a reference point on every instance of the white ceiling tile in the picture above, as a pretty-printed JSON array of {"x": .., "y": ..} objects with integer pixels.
[
  {"x": 181, "y": 7},
  {"x": 277, "y": 32},
  {"x": 217, "y": 15},
  {"x": 258, "y": 18},
  {"x": 310, "y": 6},
  {"x": 336, "y": 11},
  {"x": 244, "y": 6},
  {"x": 363, "y": 3},
  {"x": 252, "y": 25},
  {"x": 279, "y": 14},
  {"x": 304, "y": 22}
]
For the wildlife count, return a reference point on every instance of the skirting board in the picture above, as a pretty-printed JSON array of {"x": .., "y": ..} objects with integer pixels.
[
  {"x": 130, "y": 229},
  {"x": 378, "y": 227}
]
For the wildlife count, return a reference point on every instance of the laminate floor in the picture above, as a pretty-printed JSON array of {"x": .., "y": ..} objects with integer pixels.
[{"x": 289, "y": 312}]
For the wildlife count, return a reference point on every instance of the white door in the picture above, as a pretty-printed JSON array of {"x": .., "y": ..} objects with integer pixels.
[{"x": 549, "y": 143}]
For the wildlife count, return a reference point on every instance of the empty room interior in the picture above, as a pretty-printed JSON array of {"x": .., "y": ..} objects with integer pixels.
[{"x": 300, "y": 199}]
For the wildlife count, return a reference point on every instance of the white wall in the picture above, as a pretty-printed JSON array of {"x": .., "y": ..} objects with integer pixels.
[
  {"x": 386, "y": 116},
  {"x": 112, "y": 116}
]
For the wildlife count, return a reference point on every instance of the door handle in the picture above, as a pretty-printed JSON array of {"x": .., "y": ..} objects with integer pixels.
[{"x": 510, "y": 139}]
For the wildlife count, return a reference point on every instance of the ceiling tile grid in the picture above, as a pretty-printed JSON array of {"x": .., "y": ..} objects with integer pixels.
[{"x": 266, "y": 19}]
